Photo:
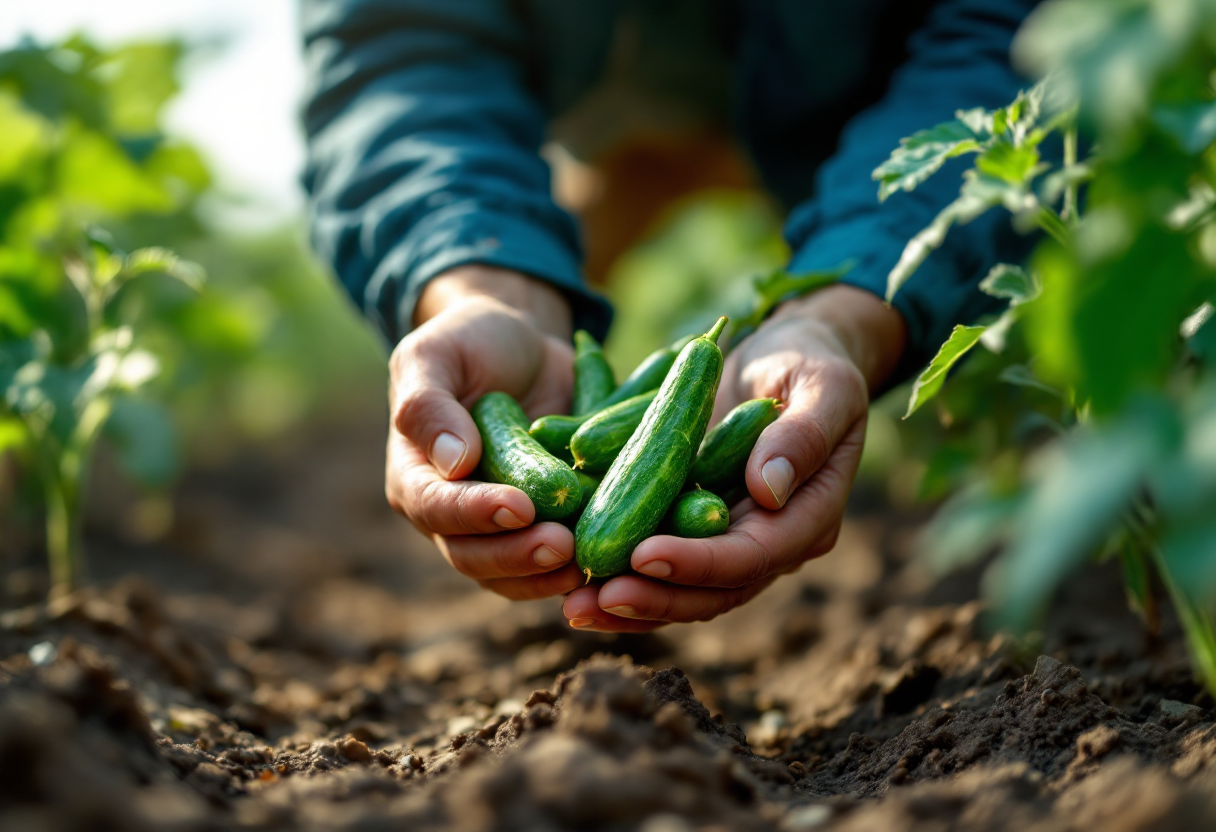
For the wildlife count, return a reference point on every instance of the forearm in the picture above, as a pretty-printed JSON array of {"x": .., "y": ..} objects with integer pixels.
[
  {"x": 541, "y": 302},
  {"x": 869, "y": 331}
]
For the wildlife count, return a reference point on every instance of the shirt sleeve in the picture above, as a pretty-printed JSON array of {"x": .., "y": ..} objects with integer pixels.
[
  {"x": 958, "y": 60},
  {"x": 423, "y": 153}
]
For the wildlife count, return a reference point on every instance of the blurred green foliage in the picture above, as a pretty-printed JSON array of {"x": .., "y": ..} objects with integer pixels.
[
  {"x": 1085, "y": 426},
  {"x": 265, "y": 343}
]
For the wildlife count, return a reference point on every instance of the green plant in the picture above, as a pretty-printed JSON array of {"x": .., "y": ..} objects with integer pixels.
[
  {"x": 1086, "y": 425},
  {"x": 64, "y": 366}
]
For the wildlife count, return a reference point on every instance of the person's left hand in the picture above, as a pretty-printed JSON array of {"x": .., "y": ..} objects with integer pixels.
[{"x": 819, "y": 356}]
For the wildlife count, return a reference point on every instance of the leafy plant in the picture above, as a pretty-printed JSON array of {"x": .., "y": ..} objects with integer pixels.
[
  {"x": 60, "y": 382},
  {"x": 1088, "y": 419}
]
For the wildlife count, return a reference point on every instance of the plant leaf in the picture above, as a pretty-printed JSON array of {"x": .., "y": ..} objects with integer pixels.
[
  {"x": 930, "y": 381},
  {"x": 1013, "y": 283},
  {"x": 922, "y": 154},
  {"x": 1080, "y": 494},
  {"x": 1023, "y": 376}
]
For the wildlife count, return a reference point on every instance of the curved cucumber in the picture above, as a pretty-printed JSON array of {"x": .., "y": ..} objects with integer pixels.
[
  {"x": 593, "y": 381},
  {"x": 699, "y": 514},
  {"x": 511, "y": 456},
  {"x": 554, "y": 432},
  {"x": 648, "y": 375},
  {"x": 641, "y": 484},
  {"x": 723, "y": 456},
  {"x": 601, "y": 437}
]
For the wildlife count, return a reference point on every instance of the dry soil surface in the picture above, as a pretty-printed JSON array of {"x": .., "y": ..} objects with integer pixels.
[{"x": 291, "y": 656}]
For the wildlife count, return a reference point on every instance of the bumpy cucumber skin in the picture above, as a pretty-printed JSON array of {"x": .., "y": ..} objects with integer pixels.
[
  {"x": 593, "y": 380},
  {"x": 600, "y": 439},
  {"x": 641, "y": 484},
  {"x": 722, "y": 460},
  {"x": 699, "y": 513},
  {"x": 554, "y": 432},
  {"x": 511, "y": 456},
  {"x": 648, "y": 375}
]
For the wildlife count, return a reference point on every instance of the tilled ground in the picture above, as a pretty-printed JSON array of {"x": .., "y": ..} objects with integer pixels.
[{"x": 291, "y": 657}]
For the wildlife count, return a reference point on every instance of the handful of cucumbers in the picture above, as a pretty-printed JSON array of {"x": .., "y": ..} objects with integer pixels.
[{"x": 642, "y": 442}]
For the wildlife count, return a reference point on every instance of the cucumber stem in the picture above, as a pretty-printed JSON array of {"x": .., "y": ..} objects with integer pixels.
[{"x": 713, "y": 334}]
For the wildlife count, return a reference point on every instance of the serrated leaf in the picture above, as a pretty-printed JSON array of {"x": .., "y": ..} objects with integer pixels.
[
  {"x": 929, "y": 382},
  {"x": 1013, "y": 164},
  {"x": 162, "y": 261},
  {"x": 1012, "y": 283},
  {"x": 977, "y": 195},
  {"x": 922, "y": 154}
]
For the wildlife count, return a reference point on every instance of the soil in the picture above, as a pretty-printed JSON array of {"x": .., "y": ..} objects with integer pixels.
[{"x": 292, "y": 656}]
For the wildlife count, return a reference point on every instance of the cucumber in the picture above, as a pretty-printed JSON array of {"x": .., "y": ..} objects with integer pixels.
[
  {"x": 588, "y": 483},
  {"x": 722, "y": 460},
  {"x": 699, "y": 513},
  {"x": 601, "y": 437},
  {"x": 511, "y": 456},
  {"x": 641, "y": 484},
  {"x": 554, "y": 432},
  {"x": 648, "y": 375},
  {"x": 593, "y": 381}
]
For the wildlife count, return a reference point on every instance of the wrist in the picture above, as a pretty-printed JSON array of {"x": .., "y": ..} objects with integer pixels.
[
  {"x": 544, "y": 305},
  {"x": 868, "y": 331}
]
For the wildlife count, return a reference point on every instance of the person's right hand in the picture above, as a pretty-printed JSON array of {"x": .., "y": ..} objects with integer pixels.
[{"x": 479, "y": 329}]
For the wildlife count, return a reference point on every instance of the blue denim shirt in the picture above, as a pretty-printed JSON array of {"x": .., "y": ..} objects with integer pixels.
[{"x": 425, "y": 119}]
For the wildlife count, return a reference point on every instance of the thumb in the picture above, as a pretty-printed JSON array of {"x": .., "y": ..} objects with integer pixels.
[
  {"x": 427, "y": 412},
  {"x": 821, "y": 408}
]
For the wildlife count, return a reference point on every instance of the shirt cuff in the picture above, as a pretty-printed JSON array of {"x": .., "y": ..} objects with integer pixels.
[{"x": 471, "y": 234}]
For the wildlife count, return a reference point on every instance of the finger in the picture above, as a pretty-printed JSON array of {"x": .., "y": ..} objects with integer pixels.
[
  {"x": 639, "y": 599},
  {"x": 558, "y": 582},
  {"x": 760, "y": 542},
  {"x": 537, "y": 549},
  {"x": 426, "y": 410},
  {"x": 437, "y": 506},
  {"x": 821, "y": 407},
  {"x": 582, "y": 609}
]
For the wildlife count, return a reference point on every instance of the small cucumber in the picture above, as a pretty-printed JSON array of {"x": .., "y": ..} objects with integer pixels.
[
  {"x": 554, "y": 432},
  {"x": 601, "y": 437},
  {"x": 641, "y": 484},
  {"x": 699, "y": 513},
  {"x": 588, "y": 483},
  {"x": 722, "y": 460},
  {"x": 648, "y": 375},
  {"x": 511, "y": 456},
  {"x": 593, "y": 381}
]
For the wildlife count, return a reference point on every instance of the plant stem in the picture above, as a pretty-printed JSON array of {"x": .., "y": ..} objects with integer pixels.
[
  {"x": 1049, "y": 222},
  {"x": 1069, "y": 211},
  {"x": 62, "y": 535}
]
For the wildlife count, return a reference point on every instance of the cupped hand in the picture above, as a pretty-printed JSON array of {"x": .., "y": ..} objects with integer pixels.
[
  {"x": 469, "y": 344},
  {"x": 820, "y": 357}
]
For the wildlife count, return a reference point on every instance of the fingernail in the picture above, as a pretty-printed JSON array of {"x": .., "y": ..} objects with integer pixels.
[
  {"x": 655, "y": 568},
  {"x": 778, "y": 475},
  {"x": 624, "y": 611},
  {"x": 504, "y": 518},
  {"x": 447, "y": 452},
  {"x": 546, "y": 556},
  {"x": 577, "y": 623}
]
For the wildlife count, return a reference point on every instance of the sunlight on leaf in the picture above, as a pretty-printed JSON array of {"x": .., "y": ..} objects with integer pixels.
[
  {"x": 922, "y": 154},
  {"x": 929, "y": 382}
]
